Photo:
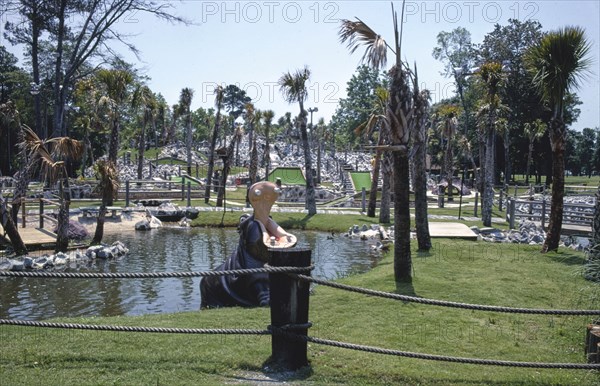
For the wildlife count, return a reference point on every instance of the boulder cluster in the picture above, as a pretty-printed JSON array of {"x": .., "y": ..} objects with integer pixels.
[
  {"x": 527, "y": 233},
  {"x": 64, "y": 260}
]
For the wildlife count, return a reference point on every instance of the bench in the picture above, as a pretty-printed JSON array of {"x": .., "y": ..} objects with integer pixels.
[{"x": 93, "y": 211}]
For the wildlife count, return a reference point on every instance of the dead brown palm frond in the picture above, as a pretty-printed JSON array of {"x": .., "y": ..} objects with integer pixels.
[
  {"x": 65, "y": 147},
  {"x": 30, "y": 142},
  {"x": 108, "y": 178},
  {"x": 358, "y": 33}
]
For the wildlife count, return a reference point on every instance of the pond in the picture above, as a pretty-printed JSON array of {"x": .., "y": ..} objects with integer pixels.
[{"x": 166, "y": 249}]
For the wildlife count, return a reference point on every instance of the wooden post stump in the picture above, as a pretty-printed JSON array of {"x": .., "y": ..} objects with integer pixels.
[
  {"x": 592, "y": 343},
  {"x": 289, "y": 308}
]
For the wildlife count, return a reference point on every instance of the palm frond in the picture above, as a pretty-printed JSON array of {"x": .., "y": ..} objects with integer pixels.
[
  {"x": 559, "y": 62},
  {"x": 65, "y": 147},
  {"x": 293, "y": 86},
  {"x": 219, "y": 94},
  {"x": 356, "y": 34}
]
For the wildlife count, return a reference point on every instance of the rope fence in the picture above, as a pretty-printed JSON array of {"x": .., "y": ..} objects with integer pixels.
[
  {"x": 151, "y": 275},
  {"x": 445, "y": 303},
  {"x": 297, "y": 331},
  {"x": 285, "y": 331}
]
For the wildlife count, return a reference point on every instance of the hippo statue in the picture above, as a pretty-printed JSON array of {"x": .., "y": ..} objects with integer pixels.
[{"x": 257, "y": 232}]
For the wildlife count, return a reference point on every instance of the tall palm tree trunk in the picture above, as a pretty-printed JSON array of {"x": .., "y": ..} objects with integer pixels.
[
  {"x": 400, "y": 112},
  {"x": 11, "y": 229},
  {"x": 253, "y": 169},
  {"x": 374, "y": 184},
  {"x": 267, "y": 153},
  {"x": 488, "y": 188},
  {"x": 99, "y": 232},
  {"x": 402, "y": 254},
  {"x": 113, "y": 147},
  {"x": 419, "y": 141},
  {"x": 557, "y": 139},
  {"x": 420, "y": 188},
  {"x": 188, "y": 144},
  {"x": 528, "y": 168},
  {"x": 227, "y": 167},
  {"x": 211, "y": 157},
  {"x": 311, "y": 203},
  {"x": 62, "y": 233},
  {"x": 141, "y": 149},
  {"x": 449, "y": 167},
  {"x": 386, "y": 188}
]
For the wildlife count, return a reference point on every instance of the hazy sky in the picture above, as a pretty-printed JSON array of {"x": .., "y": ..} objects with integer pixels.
[{"x": 251, "y": 43}]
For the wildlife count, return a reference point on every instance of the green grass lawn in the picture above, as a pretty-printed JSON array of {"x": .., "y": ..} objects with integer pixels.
[{"x": 497, "y": 274}]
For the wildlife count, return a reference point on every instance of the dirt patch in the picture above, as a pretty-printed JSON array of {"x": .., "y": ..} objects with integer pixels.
[{"x": 125, "y": 222}]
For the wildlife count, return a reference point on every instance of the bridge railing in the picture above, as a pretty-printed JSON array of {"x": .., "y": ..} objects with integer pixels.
[{"x": 539, "y": 211}]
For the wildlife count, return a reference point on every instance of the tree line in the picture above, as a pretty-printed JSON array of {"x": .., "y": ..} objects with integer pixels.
[{"x": 515, "y": 96}]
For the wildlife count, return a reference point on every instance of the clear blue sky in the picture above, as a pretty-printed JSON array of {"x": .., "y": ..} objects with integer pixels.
[{"x": 251, "y": 43}]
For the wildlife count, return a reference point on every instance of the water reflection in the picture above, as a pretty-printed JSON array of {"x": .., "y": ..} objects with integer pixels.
[{"x": 172, "y": 249}]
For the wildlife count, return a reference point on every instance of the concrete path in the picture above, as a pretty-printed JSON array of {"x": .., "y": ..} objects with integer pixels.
[{"x": 451, "y": 230}]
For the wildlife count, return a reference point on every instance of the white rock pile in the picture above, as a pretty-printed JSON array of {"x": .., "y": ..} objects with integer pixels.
[{"x": 64, "y": 260}]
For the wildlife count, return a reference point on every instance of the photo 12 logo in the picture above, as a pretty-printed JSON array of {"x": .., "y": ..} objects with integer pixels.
[
  {"x": 469, "y": 11},
  {"x": 269, "y": 12},
  {"x": 327, "y": 92}
]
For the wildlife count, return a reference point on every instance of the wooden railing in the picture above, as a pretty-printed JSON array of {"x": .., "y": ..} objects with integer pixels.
[
  {"x": 42, "y": 207},
  {"x": 573, "y": 214}
]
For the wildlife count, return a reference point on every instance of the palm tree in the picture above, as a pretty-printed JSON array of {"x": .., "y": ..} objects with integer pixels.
[
  {"x": 375, "y": 121},
  {"x": 53, "y": 167},
  {"x": 116, "y": 83},
  {"x": 398, "y": 113},
  {"x": 108, "y": 186},
  {"x": 419, "y": 143},
  {"x": 170, "y": 132},
  {"x": 142, "y": 97},
  {"x": 10, "y": 120},
  {"x": 558, "y": 63},
  {"x": 252, "y": 117},
  {"x": 447, "y": 126},
  {"x": 534, "y": 131},
  {"x": 10, "y": 228},
  {"x": 185, "y": 102},
  {"x": 268, "y": 115},
  {"x": 320, "y": 130},
  {"x": 293, "y": 88},
  {"x": 86, "y": 96},
  {"x": 492, "y": 77},
  {"x": 9, "y": 116},
  {"x": 228, "y": 155},
  {"x": 219, "y": 92}
]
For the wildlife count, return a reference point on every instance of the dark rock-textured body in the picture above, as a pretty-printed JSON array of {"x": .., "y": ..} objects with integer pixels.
[{"x": 240, "y": 290}]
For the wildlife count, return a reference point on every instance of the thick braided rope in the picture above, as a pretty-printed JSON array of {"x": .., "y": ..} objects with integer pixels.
[
  {"x": 475, "y": 361},
  {"x": 445, "y": 303},
  {"x": 281, "y": 331},
  {"x": 432, "y": 357},
  {"x": 151, "y": 275},
  {"x": 95, "y": 327}
]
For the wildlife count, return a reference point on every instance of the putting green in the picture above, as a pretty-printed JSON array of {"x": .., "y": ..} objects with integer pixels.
[
  {"x": 361, "y": 180},
  {"x": 288, "y": 176}
]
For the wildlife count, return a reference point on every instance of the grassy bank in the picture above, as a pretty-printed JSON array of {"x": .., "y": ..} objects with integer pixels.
[{"x": 498, "y": 274}]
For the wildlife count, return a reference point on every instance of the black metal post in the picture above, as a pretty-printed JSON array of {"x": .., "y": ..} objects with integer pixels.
[
  {"x": 289, "y": 308},
  {"x": 189, "y": 194},
  {"x": 127, "y": 193},
  {"x": 41, "y": 213}
]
